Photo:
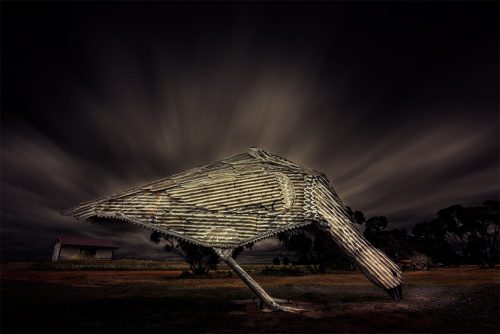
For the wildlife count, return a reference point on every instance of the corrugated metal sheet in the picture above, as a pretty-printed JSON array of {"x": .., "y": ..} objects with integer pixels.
[
  {"x": 235, "y": 201},
  {"x": 243, "y": 199}
]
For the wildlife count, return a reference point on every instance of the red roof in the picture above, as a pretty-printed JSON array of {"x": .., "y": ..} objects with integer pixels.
[{"x": 75, "y": 241}]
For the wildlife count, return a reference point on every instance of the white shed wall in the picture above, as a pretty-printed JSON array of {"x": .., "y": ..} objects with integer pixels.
[
  {"x": 69, "y": 252},
  {"x": 57, "y": 249}
]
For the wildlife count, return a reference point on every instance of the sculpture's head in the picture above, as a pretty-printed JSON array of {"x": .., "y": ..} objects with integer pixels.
[
  {"x": 396, "y": 293},
  {"x": 380, "y": 270},
  {"x": 326, "y": 207}
]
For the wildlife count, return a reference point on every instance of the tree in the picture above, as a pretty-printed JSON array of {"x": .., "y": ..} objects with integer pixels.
[
  {"x": 484, "y": 232},
  {"x": 356, "y": 216},
  {"x": 394, "y": 243},
  {"x": 456, "y": 226},
  {"x": 474, "y": 231},
  {"x": 201, "y": 259},
  {"x": 470, "y": 234},
  {"x": 276, "y": 261},
  {"x": 430, "y": 238},
  {"x": 299, "y": 242},
  {"x": 313, "y": 248},
  {"x": 375, "y": 225}
]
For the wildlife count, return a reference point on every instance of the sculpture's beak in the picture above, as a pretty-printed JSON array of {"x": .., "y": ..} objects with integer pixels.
[{"x": 396, "y": 293}]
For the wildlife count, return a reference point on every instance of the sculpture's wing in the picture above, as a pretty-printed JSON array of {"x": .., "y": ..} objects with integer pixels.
[
  {"x": 233, "y": 190},
  {"x": 217, "y": 205}
]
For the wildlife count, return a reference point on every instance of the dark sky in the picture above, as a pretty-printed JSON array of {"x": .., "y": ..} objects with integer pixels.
[{"x": 396, "y": 102}]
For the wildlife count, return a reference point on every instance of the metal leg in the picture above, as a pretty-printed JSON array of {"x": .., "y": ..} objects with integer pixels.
[{"x": 225, "y": 254}]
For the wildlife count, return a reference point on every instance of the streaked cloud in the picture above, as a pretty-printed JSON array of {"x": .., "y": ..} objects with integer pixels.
[{"x": 142, "y": 103}]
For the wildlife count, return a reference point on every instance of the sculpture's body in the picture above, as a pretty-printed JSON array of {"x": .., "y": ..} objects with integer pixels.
[{"x": 240, "y": 200}]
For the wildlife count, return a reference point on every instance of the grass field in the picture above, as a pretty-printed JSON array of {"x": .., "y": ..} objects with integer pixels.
[{"x": 75, "y": 298}]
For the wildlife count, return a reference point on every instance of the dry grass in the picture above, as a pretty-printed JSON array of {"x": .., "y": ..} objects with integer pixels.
[
  {"x": 462, "y": 276},
  {"x": 446, "y": 300}
]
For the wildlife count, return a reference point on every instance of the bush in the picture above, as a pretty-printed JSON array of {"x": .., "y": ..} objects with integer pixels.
[{"x": 283, "y": 271}]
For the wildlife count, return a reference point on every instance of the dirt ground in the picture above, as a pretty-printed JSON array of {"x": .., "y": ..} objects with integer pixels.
[{"x": 465, "y": 300}]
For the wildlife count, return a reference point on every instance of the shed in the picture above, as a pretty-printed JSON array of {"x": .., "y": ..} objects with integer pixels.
[{"x": 72, "y": 248}]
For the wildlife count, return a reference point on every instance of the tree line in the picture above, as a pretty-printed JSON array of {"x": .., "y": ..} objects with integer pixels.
[{"x": 457, "y": 235}]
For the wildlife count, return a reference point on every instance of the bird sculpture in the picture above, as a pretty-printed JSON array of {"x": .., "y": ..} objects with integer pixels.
[{"x": 240, "y": 200}]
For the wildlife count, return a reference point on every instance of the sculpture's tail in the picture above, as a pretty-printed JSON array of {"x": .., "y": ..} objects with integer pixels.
[
  {"x": 376, "y": 266},
  {"x": 82, "y": 211}
]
